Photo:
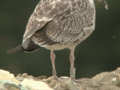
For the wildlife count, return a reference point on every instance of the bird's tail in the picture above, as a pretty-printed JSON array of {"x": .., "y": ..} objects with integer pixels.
[
  {"x": 28, "y": 46},
  {"x": 19, "y": 48}
]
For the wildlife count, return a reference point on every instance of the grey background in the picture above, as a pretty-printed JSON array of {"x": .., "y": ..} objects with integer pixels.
[{"x": 100, "y": 52}]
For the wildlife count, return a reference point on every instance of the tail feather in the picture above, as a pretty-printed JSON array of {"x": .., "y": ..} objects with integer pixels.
[
  {"x": 16, "y": 49},
  {"x": 27, "y": 46}
]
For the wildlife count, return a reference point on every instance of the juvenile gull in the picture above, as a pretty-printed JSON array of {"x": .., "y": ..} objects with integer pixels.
[{"x": 59, "y": 24}]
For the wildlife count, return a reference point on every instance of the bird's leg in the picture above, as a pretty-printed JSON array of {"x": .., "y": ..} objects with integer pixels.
[
  {"x": 72, "y": 59},
  {"x": 52, "y": 56}
]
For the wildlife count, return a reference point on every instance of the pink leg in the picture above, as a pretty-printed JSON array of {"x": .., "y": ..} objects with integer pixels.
[
  {"x": 52, "y": 56},
  {"x": 72, "y": 59}
]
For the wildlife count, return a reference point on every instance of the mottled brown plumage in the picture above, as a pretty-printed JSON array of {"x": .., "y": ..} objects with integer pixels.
[{"x": 59, "y": 24}]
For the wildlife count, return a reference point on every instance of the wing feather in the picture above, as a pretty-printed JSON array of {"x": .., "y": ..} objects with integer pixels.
[
  {"x": 45, "y": 11},
  {"x": 70, "y": 25}
]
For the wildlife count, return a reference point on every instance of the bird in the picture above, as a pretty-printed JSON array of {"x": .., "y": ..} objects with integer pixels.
[{"x": 59, "y": 24}]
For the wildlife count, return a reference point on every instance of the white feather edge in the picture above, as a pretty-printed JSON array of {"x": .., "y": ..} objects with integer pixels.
[{"x": 91, "y": 1}]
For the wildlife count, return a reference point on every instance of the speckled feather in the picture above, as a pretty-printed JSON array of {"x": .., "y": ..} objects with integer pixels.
[{"x": 60, "y": 22}]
